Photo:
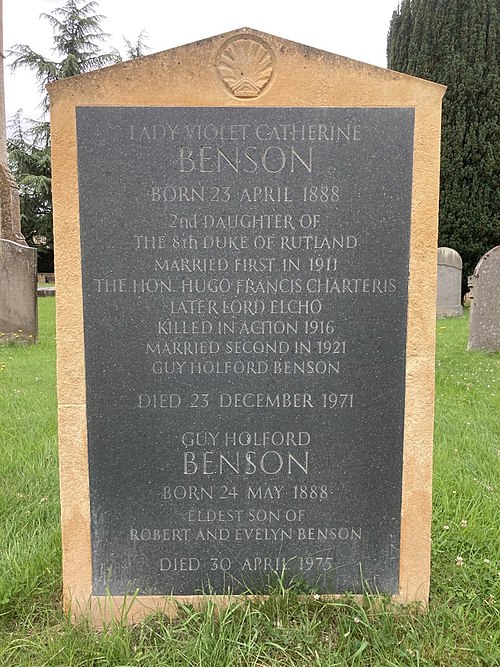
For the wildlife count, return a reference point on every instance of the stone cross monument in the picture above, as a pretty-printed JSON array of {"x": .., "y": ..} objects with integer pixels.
[{"x": 18, "y": 311}]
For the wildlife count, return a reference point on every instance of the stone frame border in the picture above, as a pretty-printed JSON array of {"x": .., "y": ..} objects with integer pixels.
[{"x": 186, "y": 76}]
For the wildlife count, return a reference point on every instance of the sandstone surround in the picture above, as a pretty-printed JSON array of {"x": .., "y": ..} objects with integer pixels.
[{"x": 293, "y": 86}]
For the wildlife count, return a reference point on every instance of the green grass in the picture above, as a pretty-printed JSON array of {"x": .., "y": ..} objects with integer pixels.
[{"x": 461, "y": 628}]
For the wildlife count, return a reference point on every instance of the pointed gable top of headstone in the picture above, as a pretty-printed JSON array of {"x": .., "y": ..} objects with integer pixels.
[{"x": 250, "y": 66}]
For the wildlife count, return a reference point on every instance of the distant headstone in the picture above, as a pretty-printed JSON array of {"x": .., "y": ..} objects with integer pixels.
[
  {"x": 449, "y": 283},
  {"x": 246, "y": 377},
  {"x": 46, "y": 291},
  {"x": 17, "y": 293},
  {"x": 46, "y": 278},
  {"x": 484, "y": 333}
]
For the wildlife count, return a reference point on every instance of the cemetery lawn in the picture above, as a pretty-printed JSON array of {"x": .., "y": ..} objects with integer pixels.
[{"x": 461, "y": 628}]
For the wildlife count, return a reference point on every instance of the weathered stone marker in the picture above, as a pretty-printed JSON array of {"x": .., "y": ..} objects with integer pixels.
[
  {"x": 449, "y": 283},
  {"x": 246, "y": 377},
  {"x": 484, "y": 333},
  {"x": 18, "y": 306}
]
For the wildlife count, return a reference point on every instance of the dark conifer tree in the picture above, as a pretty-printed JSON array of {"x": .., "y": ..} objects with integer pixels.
[{"x": 457, "y": 43}]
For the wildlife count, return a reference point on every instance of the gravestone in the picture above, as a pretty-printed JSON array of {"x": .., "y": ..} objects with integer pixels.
[
  {"x": 245, "y": 378},
  {"x": 449, "y": 283},
  {"x": 484, "y": 332},
  {"x": 18, "y": 312}
]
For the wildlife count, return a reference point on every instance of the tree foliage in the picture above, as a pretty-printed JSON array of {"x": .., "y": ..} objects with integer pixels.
[
  {"x": 29, "y": 160},
  {"x": 457, "y": 43},
  {"x": 135, "y": 49},
  {"x": 78, "y": 38}
]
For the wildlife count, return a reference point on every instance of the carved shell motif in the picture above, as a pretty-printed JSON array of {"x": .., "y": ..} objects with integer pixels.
[{"x": 245, "y": 67}]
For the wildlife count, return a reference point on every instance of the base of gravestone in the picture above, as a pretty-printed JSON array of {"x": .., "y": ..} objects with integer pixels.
[
  {"x": 18, "y": 305},
  {"x": 102, "y": 611}
]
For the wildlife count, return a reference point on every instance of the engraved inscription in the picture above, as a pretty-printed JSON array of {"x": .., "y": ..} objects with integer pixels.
[{"x": 245, "y": 289}]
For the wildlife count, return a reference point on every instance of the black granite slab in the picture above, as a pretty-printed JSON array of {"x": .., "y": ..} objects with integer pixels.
[{"x": 245, "y": 304}]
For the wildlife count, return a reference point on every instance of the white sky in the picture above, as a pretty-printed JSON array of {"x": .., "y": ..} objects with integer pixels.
[{"x": 353, "y": 28}]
